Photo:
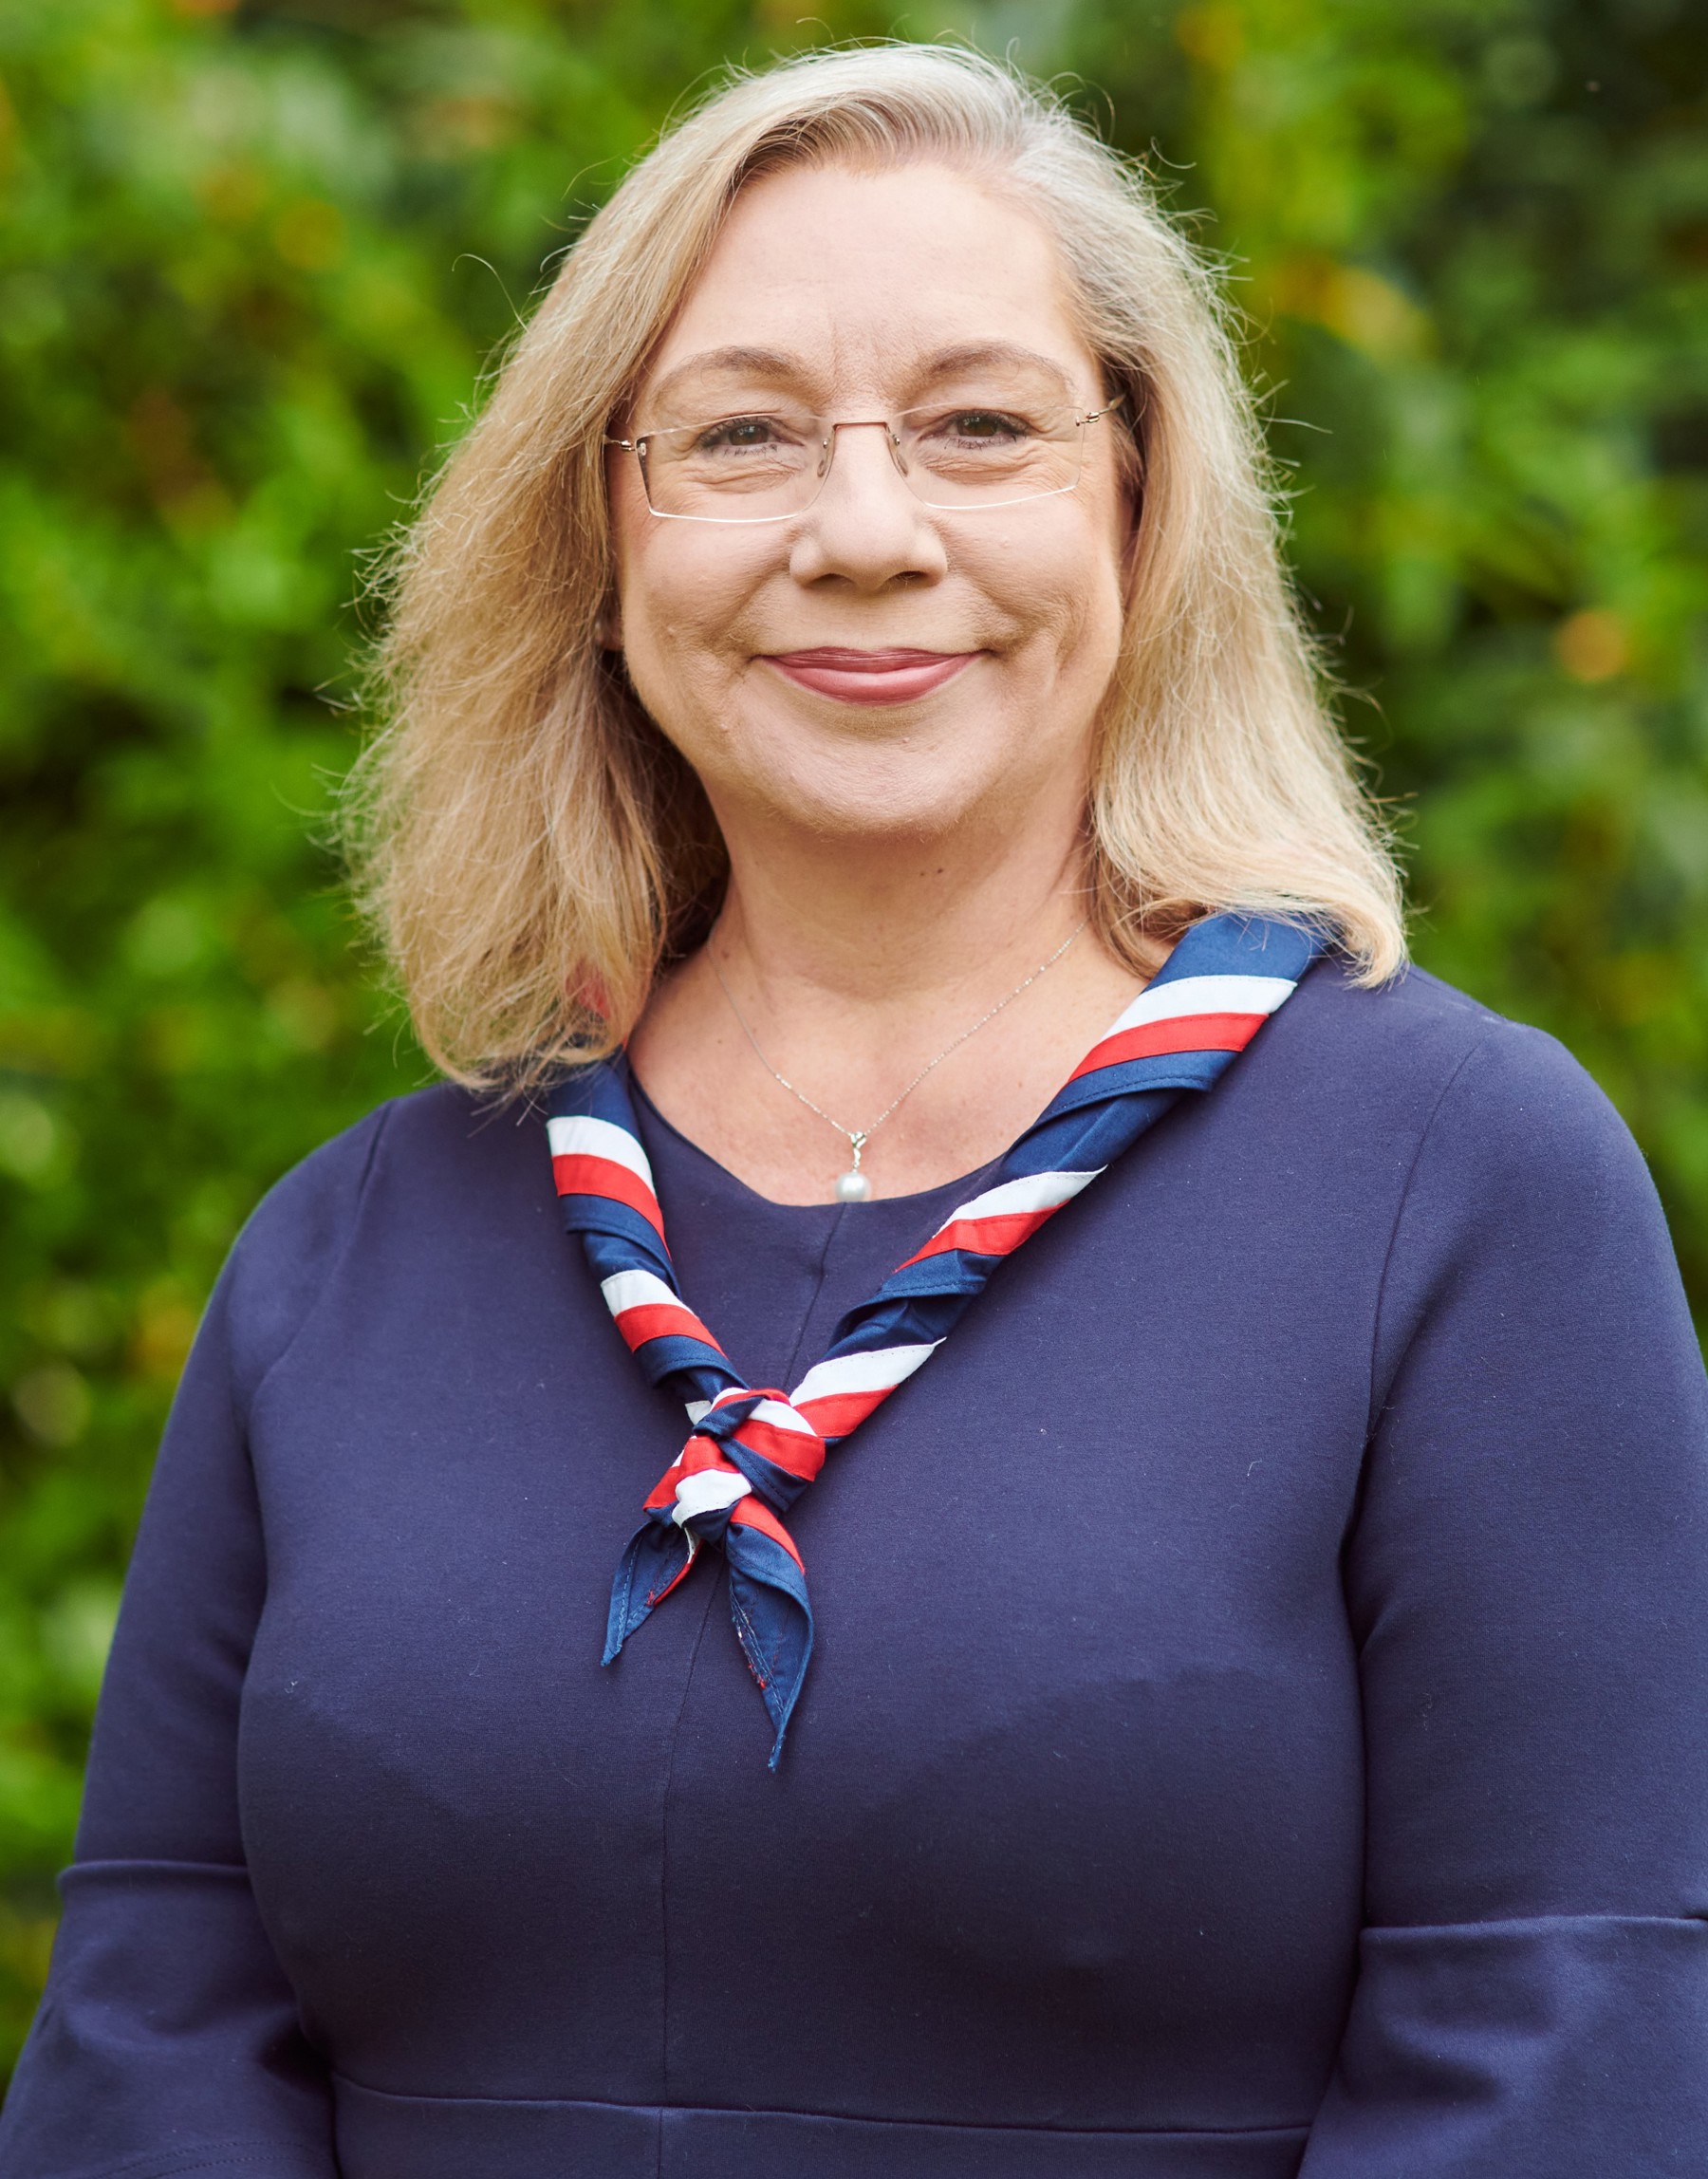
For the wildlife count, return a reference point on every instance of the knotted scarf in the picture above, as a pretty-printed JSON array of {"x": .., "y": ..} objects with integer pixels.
[{"x": 753, "y": 1450}]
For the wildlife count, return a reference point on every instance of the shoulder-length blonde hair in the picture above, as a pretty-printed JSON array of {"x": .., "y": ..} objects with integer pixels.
[{"x": 529, "y": 844}]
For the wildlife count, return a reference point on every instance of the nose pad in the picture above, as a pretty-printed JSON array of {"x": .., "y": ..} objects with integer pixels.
[{"x": 827, "y": 453}]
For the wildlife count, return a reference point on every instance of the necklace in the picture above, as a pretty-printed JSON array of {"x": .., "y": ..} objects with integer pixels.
[{"x": 853, "y": 1187}]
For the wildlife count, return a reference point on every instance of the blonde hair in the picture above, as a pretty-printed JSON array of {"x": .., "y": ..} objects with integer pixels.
[{"x": 529, "y": 845}]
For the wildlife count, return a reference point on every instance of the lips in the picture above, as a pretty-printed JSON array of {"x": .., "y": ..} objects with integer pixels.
[{"x": 870, "y": 677}]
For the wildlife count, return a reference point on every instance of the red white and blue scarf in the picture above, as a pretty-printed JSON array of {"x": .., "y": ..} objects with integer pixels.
[{"x": 753, "y": 1450}]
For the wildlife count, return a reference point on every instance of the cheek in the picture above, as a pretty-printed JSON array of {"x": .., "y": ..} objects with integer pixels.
[
  {"x": 675, "y": 587},
  {"x": 1070, "y": 592},
  {"x": 681, "y": 595},
  {"x": 1100, "y": 592}
]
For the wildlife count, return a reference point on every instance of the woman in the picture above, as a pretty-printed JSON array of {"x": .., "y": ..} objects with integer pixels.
[{"x": 1233, "y": 1692}]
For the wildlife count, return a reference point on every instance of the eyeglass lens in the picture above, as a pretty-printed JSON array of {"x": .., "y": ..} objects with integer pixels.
[{"x": 762, "y": 465}]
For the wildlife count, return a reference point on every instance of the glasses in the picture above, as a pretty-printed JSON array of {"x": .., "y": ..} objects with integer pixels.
[{"x": 766, "y": 465}]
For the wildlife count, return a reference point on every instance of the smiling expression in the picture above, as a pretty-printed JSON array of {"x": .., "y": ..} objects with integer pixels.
[{"x": 873, "y": 662}]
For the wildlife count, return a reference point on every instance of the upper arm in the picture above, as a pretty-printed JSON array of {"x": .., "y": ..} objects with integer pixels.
[
  {"x": 169, "y": 2037},
  {"x": 1527, "y": 1576},
  {"x": 162, "y": 1773}
]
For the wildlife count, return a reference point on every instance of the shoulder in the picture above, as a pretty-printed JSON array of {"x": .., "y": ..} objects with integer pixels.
[
  {"x": 309, "y": 1218},
  {"x": 1476, "y": 1086},
  {"x": 1516, "y": 1180},
  {"x": 1465, "y": 1133},
  {"x": 1516, "y": 1212}
]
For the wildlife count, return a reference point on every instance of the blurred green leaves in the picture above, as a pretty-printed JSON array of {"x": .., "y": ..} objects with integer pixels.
[{"x": 253, "y": 261}]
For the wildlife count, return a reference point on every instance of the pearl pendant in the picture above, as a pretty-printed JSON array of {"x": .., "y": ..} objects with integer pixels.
[{"x": 853, "y": 1187}]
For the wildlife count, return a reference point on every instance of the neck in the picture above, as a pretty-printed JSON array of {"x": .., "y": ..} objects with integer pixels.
[
  {"x": 857, "y": 972},
  {"x": 910, "y": 929}
]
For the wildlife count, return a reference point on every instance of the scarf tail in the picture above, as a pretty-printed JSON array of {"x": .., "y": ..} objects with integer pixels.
[
  {"x": 659, "y": 1556},
  {"x": 773, "y": 1619}
]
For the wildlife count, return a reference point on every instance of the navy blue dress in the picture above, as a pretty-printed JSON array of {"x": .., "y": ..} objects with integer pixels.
[{"x": 1259, "y": 1723}]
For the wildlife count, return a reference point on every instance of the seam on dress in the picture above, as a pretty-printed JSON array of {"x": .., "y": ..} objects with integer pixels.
[
  {"x": 675, "y": 1732},
  {"x": 163, "y": 1861},
  {"x": 204, "y": 2164},
  {"x": 793, "y": 1372},
  {"x": 1355, "y": 1511},
  {"x": 211, "y": 2156},
  {"x": 241, "y": 1421},
  {"x": 1399, "y": 1210},
  {"x": 343, "y": 1249},
  {"x": 846, "y": 2117},
  {"x": 1591, "y": 1919},
  {"x": 241, "y": 1417}
]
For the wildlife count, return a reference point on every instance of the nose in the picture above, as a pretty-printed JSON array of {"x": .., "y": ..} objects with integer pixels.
[{"x": 865, "y": 527}]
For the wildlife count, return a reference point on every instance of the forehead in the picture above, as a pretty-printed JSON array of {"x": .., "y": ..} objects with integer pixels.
[{"x": 859, "y": 279}]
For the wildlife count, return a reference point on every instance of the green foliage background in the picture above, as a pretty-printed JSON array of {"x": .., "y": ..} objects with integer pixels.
[{"x": 253, "y": 259}]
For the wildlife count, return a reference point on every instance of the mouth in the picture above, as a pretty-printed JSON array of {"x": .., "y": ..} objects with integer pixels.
[{"x": 870, "y": 677}]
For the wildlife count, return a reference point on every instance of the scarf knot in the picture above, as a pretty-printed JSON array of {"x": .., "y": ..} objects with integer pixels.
[{"x": 746, "y": 1442}]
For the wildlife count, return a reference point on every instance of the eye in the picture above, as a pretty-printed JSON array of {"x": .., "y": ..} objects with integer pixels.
[
  {"x": 741, "y": 434},
  {"x": 984, "y": 427}
]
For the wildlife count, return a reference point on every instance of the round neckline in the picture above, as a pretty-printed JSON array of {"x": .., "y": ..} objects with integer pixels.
[{"x": 923, "y": 1196}]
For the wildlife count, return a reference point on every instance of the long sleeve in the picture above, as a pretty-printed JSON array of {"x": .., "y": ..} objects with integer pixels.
[
  {"x": 168, "y": 2040},
  {"x": 1528, "y": 1582}
]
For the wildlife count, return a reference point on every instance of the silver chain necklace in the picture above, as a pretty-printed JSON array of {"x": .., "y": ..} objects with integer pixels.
[{"x": 853, "y": 1187}]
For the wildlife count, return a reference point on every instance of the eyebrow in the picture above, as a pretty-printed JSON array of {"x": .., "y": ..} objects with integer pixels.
[
  {"x": 975, "y": 355},
  {"x": 752, "y": 362},
  {"x": 777, "y": 365}
]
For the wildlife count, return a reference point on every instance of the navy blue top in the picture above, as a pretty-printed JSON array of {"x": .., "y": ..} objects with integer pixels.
[{"x": 1257, "y": 1724}]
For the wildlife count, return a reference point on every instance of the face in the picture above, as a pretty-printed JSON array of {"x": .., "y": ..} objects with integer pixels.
[{"x": 871, "y": 664}]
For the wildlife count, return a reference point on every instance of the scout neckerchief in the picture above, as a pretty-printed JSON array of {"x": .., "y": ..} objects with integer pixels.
[{"x": 753, "y": 1450}]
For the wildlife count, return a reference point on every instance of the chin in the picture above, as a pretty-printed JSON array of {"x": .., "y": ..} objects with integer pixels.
[{"x": 873, "y": 794}]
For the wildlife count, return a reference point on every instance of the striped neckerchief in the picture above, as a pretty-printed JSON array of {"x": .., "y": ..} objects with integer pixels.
[{"x": 753, "y": 1450}]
